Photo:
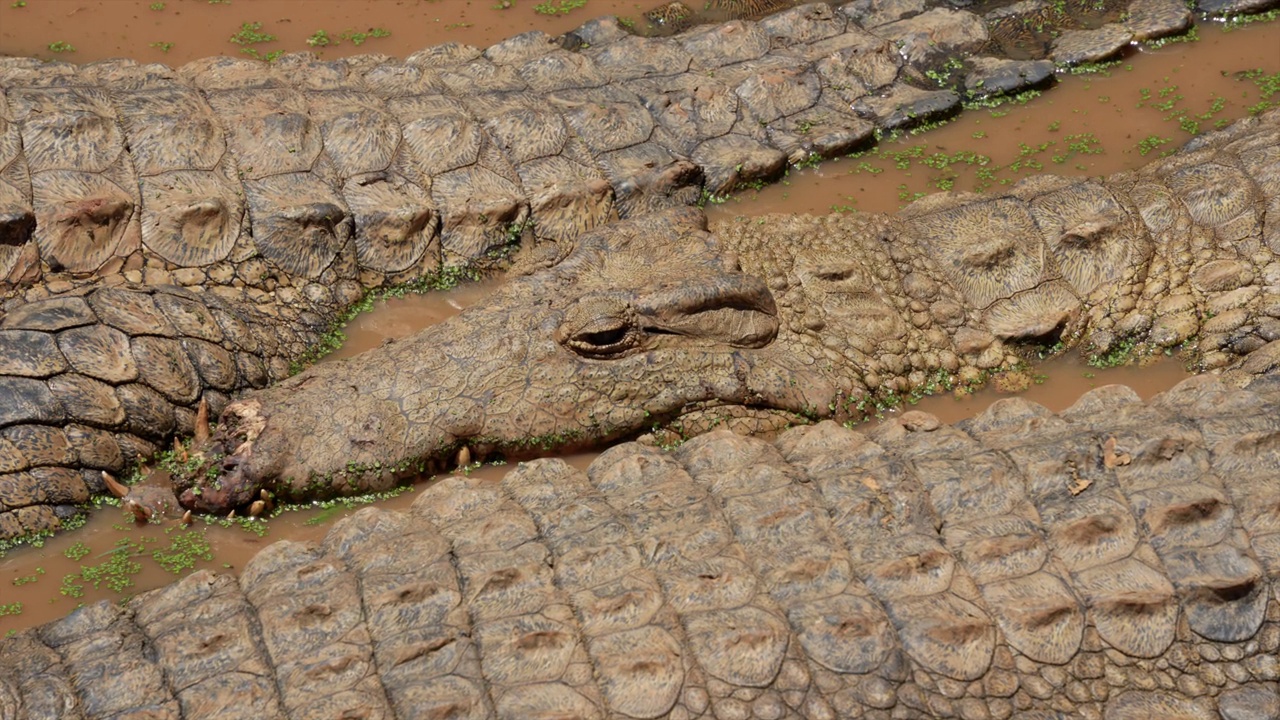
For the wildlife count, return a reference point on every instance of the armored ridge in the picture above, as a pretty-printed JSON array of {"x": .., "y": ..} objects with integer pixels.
[
  {"x": 1117, "y": 560},
  {"x": 379, "y": 170},
  {"x": 773, "y": 321}
]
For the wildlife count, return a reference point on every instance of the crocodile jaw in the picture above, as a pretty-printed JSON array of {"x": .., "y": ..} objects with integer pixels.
[{"x": 311, "y": 438}]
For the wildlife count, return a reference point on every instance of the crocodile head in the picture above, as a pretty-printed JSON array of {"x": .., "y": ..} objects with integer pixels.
[{"x": 624, "y": 329}]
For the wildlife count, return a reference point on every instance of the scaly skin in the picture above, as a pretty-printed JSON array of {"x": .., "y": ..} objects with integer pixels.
[
  {"x": 95, "y": 378},
  {"x": 276, "y": 195},
  {"x": 377, "y": 170},
  {"x": 288, "y": 190},
  {"x": 1117, "y": 560},
  {"x": 784, "y": 319}
]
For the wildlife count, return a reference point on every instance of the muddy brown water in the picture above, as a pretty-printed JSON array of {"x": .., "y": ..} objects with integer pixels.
[
  {"x": 404, "y": 316},
  {"x": 178, "y": 31},
  {"x": 1088, "y": 125}
]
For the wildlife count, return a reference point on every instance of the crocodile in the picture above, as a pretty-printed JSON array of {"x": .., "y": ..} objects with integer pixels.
[
  {"x": 1116, "y": 560},
  {"x": 171, "y": 237},
  {"x": 782, "y": 319},
  {"x": 650, "y": 321}
]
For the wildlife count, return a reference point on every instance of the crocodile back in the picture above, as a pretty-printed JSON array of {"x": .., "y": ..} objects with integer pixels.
[{"x": 1114, "y": 560}]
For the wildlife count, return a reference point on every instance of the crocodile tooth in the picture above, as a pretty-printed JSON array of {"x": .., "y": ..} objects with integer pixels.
[
  {"x": 257, "y": 508},
  {"x": 113, "y": 485},
  {"x": 201, "y": 436},
  {"x": 141, "y": 512},
  {"x": 464, "y": 456}
]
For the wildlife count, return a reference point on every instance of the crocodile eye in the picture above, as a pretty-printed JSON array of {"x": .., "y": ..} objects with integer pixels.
[
  {"x": 603, "y": 336},
  {"x": 600, "y": 327}
]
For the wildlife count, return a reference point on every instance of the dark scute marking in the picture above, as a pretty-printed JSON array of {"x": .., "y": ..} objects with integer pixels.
[
  {"x": 1188, "y": 513},
  {"x": 1230, "y": 592},
  {"x": 25, "y": 399},
  {"x": 912, "y": 565},
  {"x": 134, "y": 313},
  {"x": 1049, "y": 615},
  {"x": 543, "y": 640},
  {"x": 50, "y": 315},
  {"x": 502, "y": 580},
  {"x": 148, "y": 414},
  {"x": 1090, "y": 530},
  {"x": 30, "y": 354},
  {"x": 16, "y": 228},
  {"x": 1137, "y": 604}
]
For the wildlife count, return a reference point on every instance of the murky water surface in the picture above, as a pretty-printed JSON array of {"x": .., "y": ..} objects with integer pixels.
[
  {"x": 179, "y": 31},
  {"x": 1088, "y": 125},
  {"x": 404, "y": 316}
]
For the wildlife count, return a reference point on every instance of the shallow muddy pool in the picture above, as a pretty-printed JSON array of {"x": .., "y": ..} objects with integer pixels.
[{"x": 1092, "y": 124}]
